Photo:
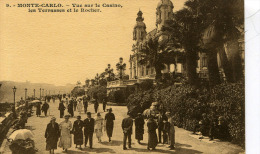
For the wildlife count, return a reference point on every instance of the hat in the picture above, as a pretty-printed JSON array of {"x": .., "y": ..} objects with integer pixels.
[
  {"x": 98, "y": 114},
  {"x": 155, "y": 103},
  {"x": 168, "y": 113},
  {"x": 110, "y": 109},
  {"x": 67, "y": 116},
  {"x": 78, "y": 117},
  {"x": 53, "y": 118},
  {"x": 88, "y": 113}
]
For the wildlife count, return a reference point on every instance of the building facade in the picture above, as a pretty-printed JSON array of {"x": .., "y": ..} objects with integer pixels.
[{"x": 138, "y": 70}]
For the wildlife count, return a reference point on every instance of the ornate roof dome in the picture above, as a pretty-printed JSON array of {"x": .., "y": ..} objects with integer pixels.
[{"x": 164, "y": 2}]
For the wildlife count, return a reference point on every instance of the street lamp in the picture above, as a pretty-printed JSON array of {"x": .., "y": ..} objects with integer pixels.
[
  {"x": 25, "y": 93},
  {"x": 34, "y": 93},
  {"x": 13, "y": 108},
  {"x": 40, "y": 93},
  {"x": 14, "y": 90}
]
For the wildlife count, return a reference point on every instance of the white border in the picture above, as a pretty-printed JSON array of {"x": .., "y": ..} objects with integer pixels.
[{"x": 252, "y": 70}]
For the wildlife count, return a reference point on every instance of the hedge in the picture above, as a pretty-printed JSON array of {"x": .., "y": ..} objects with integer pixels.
[{"x": 188, "y": 104}]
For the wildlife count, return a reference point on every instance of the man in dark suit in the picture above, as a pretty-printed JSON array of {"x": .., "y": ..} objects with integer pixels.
[
  {"x": 89, "y": 130},
  {"x": 127, "y": 125},
  {"x": 161, "y": 117},
  {"x": 85, "y": 103}
]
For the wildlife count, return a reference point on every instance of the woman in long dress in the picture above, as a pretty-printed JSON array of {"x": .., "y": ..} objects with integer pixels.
[
  {"x": 152, "y": 136},
  {"x": 65, "y": 139},
  {"x": 99, "y": 124},
  {"x": 79, "y": 106},
  {"x": 52, "y": 135},
  {"x": 38, "y": 109},
  {"x": 78, "y": 132},
  {"x": 139, "y": 127}
]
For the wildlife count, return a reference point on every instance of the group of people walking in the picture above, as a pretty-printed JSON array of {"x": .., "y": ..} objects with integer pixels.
[
  {"x": 83, "y": 130},
  {"x": 62, "y": 132},
  {"x": 78, "y": 104},
  {"x": 163, "y": 122},
  {"x": 42, "y": 108}
]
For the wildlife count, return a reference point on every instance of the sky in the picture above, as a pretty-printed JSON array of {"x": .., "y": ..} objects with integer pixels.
[{"x": 61, "y": 48}]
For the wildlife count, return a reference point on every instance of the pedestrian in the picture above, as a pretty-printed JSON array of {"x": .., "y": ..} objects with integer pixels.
[
  {"x": 152, "y": 136},
  {"x": 204, "y": 125},
  {"x": 78, "y": 132},
  {"x": 79, "y": 106},
  {"x": 104, "y": 104},
  {"x": 52, "y": 134},
  {"x": 74, "y": 101},
  {"x": 53, "y": 99},
  {"x": 61, "y": 108},
  {"x": 96, "y": 104},
  {"x": 45, "y": 108},
  {"x": 65, "y": 138},
  {"x": 70, "y": 109},
  {"x": 85, "y": 103},
  {"x": 127, "y": 125},
  {"x": 166, "y": 127},
  {"x": 109, "y": 123},
  {"x": 161, "y": 117},
  {"x": 89, "y": 130},
  {"x": 38, "y": 109},
  {"x": 60, "y": 97},
  {"x": 99, "y": 124},
  {"x": 171, "y": 131},
  {"x": 139, "y": 127}
]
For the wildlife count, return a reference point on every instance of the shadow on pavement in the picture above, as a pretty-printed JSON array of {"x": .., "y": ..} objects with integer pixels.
[
  {"x": 113, "y": 143},
  {"x": 177, "y": 150},
  {"x": 30, "y": 127},
  {"x": 96, "y": 150},
  {"x": 182, "y": 145}
]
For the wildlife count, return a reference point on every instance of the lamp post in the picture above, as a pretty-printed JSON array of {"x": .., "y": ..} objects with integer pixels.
[
  {"x": 25, "y": 94},
  {"x": 14, "y": 90},
  {"x": 13, "y": 108},
  {"x": 40, "y": 93},
  {"x": 34, "y": 93}
]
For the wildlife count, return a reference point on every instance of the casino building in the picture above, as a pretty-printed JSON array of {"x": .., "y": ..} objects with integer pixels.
[{"x": 139, "y": 71}]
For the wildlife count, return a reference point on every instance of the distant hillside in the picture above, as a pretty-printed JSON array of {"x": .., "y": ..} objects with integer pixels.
[{"x": 6, "y": 91}]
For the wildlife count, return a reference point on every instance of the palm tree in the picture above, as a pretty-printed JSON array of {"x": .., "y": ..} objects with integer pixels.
[
  {"x": 87, "y": 81},
  {"x": 109, "y": 71},
  {"x": 222, "y": 34}
]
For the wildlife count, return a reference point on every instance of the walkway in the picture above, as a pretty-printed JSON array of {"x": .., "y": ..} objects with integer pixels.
[{"x": 185, "y": 143}]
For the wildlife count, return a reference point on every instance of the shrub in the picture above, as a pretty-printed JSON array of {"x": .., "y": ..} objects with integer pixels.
[
  {"x": 118, "y": 96},
  {"x": 98, "y": 92},
  {"x": 188, "y": 104}
]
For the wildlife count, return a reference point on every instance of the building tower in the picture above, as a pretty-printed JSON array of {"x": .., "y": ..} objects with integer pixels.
[
  {"x": 164, "y": 13},
  {"x": 139, "y": 32}
]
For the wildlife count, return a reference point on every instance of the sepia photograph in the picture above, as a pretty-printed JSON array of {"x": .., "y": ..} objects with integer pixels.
[{"x": 121, "y": 76}]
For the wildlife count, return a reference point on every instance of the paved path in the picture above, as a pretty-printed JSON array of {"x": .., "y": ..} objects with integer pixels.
[{"x": 185, "y": 143}]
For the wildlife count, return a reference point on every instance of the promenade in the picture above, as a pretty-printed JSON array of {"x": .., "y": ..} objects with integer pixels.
[{"x": 185, "y": 142}]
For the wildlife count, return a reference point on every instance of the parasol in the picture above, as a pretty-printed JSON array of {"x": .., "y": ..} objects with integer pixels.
[
  {"x": 36, "y": 101},
  {"x": 22, "y": 134}
]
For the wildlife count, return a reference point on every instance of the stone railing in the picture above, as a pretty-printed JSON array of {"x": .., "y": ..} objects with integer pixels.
[{"x": 120, "y": 83}]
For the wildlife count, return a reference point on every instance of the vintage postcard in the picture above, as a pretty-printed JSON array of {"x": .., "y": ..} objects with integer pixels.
[{"x": 122, "y": 76}]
